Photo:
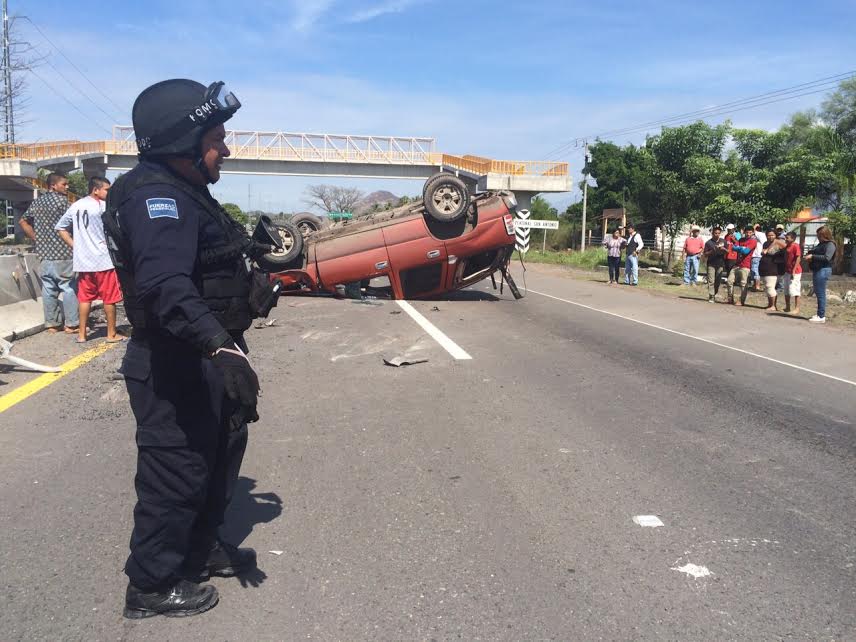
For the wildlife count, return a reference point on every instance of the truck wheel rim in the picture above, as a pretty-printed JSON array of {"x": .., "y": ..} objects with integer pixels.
[{"x": 447, "y": 199}]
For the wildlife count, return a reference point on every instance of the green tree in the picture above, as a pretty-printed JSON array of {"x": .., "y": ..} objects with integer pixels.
[
  {"x": 839, "y": 110},
  {"x": 77, "y": 184},
  {"x": 236, "y": 213}
]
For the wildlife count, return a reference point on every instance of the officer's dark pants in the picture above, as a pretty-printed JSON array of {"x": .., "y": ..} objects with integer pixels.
[{"x": 188, "y": 457}]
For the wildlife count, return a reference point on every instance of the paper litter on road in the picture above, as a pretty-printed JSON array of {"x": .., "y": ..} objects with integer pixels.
[
  {"x": 693, "y": 570},
  {"x": 276, "y": 552},
  {"x": 649, "y": 521},
  {"x": 397, "y": 362}
]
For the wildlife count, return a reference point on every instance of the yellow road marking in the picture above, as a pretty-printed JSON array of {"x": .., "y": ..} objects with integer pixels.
[{"x": 43, "y": 381}]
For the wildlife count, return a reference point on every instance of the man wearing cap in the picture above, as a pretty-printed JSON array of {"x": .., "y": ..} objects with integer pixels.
[
  {"x": 185, "y": 270},
  {"x": 780, "y": 232},
  {"x": 693, "y": 247}
]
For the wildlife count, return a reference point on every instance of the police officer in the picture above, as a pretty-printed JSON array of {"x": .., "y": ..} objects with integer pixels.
[{"x": 186, "y": 273}]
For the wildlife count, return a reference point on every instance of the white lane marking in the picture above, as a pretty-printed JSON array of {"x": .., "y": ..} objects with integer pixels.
[
  {"x": 702, "y": 339},
  {"x": 693, "y": 571},
  {"x": 450, "y": 346},
  {"x": 649, "y": 521}
]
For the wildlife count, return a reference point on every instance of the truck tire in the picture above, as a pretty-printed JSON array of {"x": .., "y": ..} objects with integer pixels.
[
  {"x": 431, "y": 179},
  {"x": 291, "y": 252},
  {"x": 308, "y": 223},
  {"x": 446, "y": 198}
]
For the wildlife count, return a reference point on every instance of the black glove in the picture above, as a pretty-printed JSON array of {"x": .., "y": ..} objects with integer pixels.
[
  {"x": 256, "y": 249},
  {"x": 239, "y": 378}
]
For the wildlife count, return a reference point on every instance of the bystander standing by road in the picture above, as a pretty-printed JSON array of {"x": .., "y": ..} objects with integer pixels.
[
  {"x": 730, "y": 253},
  {"x": 613, "y": 245},
  {"x": 693, "y": 247},
  {"x": 771, "y": 267},
  {"x": 793, "y": 273},
  {"x": 755, "y": 275},
  {"x": 81, "y": 228},
  {"x": 631, "y": 263},
  {"x": 820, "y": 258},
  {"x": 57, "y": 269},
  {"x": 739, "y": 276},
  {"x": 714, "y": 253}
]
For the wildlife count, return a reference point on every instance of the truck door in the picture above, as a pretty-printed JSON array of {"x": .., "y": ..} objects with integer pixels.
[{"x": 417, "y": 259}]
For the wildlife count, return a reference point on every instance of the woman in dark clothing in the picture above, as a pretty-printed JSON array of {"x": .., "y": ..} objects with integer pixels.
[
  {"x": 772, "y": 267},
  {"x": 820, "y": 259}
]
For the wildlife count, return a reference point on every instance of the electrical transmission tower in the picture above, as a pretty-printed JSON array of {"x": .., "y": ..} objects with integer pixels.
[{"x": 8, "y": 94}]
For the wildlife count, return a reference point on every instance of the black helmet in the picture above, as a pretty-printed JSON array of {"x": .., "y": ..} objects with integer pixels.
[{"x": 170, "y": 117}]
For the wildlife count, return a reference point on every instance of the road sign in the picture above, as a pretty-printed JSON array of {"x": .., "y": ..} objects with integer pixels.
[
  {"x": 521, "y": 234},
  {"x": 536, "y": 224}
]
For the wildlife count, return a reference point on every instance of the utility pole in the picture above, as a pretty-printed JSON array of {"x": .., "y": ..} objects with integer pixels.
[
  {"x": 585, "y": 198},
  {"x": 9, "y": 116}
]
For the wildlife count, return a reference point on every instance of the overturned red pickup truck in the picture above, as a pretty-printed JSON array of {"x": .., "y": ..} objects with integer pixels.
[{"x": 446, "y": 242}]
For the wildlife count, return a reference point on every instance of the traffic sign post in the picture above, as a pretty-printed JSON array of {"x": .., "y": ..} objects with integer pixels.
[
  {"x": 521, "y": 232},
  {"x": 523, "y": 225}
]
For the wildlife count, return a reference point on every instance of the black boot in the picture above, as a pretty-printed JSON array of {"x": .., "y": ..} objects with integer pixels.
[
  {"x": 180, "y": 600},
  {"x": 221, "y": 560}
]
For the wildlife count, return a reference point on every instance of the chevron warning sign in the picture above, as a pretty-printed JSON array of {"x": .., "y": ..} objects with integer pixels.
[{"x": 521, "y": 234}]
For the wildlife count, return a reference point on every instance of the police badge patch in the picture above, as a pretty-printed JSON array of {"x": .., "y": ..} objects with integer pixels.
[{"x": 162, "y": 208}]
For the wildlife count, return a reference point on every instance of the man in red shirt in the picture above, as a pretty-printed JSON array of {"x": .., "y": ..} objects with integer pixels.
[
  {"x": 793, "y": 272},
  {"x": 739, "y": 276},
  {"x": 693, "y": 247}
]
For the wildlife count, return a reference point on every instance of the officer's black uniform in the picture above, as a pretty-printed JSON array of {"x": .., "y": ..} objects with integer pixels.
[
  {"x": 186, "y": 279},
  {"x": 187, "y": 449}
]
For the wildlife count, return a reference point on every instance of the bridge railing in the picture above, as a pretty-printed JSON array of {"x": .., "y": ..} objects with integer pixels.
[
  {"x": 325, "y": 148},
  {"x": 54, "y": 149},
  {"x": 480, "y": 165}
]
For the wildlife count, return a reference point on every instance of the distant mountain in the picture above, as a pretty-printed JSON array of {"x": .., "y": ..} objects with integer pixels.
[{"x": 380, "y": 198}]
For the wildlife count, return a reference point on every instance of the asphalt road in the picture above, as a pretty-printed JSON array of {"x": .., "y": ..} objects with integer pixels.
[{"x": 483, "y": 498}]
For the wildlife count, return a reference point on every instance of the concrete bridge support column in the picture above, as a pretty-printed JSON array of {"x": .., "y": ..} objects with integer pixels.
[
  {"x": 94, "y": 167},
  {"x": 524, "y": 199}
]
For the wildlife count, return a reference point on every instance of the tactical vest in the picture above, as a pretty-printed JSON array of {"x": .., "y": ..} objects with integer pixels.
[{"x": 225, "y": 272}]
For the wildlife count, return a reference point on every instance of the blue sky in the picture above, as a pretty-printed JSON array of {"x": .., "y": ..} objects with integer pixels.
[{"x": 511, "y": 80}]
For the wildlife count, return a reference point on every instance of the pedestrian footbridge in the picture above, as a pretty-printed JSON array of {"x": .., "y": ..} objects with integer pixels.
[
  {"x": 298, "y": 154},
  {"x": 287, "y": 154}
]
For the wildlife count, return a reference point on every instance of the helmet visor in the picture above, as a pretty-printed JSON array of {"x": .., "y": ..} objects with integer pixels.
[{"x": 221, "y": 96}]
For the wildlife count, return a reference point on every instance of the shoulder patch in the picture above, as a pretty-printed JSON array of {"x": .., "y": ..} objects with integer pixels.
[{"x": 162, "y": 208}]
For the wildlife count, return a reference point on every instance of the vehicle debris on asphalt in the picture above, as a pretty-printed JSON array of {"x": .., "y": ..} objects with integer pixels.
[
  {"x": 6, "y": 355},
  {"x": 266, "y": 324},
  {"x": 397, "y": 362}
]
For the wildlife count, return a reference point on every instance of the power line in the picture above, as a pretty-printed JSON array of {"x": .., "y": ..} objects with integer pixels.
[
  {"x": 71, "y": 104},
  {"x": 795, "y": 91},
  {"x": 61, "y": 53},
  {"x": 81, "y": 92},
  {"x": 830, "y": 80},
  {"x": 674, "y": 122}
]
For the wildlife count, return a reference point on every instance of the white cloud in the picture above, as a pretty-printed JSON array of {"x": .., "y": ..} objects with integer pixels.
[
  {"x": 307, "y": 13},
  {"x": 380, "y": 9}
]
